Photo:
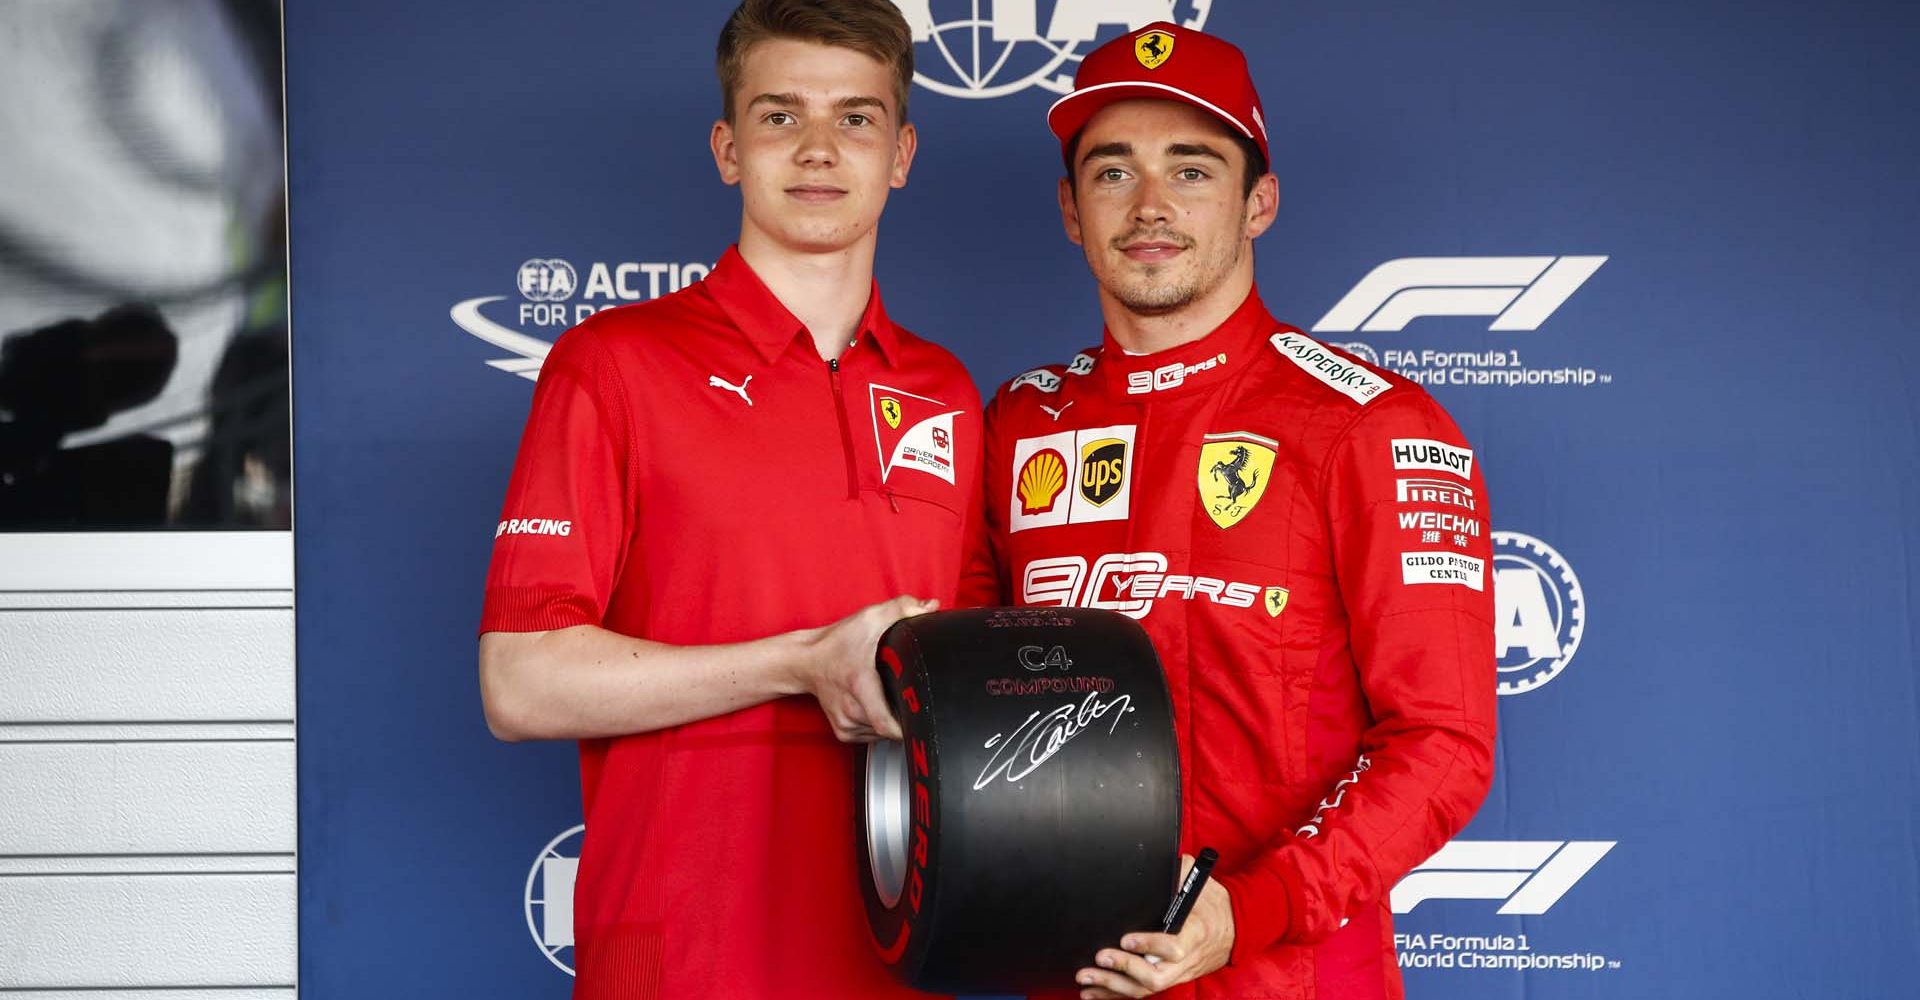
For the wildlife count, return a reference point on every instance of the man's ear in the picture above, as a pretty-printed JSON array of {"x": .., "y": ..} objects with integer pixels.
[
  {"x": 725, "y": 156},
  {"x": 1069, "y": 212},
  {"x": 1263, "y": 204},
  {"x": 905, "y": 145}
]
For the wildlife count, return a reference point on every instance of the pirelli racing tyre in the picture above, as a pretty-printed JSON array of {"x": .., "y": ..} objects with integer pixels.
[{"x": 1032, "y": 814}]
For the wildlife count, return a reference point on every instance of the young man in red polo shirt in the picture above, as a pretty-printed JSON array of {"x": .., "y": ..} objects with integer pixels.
[
  {"x": 722, "y": 498},
  {"x": 1302, "y": 536}
]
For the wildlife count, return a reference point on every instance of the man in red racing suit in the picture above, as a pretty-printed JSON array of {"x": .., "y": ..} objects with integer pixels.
[{"x": 1303, "y": 536}]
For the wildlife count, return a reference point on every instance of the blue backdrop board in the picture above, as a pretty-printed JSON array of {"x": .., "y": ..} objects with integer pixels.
[{"x": 1656, "y": 258}]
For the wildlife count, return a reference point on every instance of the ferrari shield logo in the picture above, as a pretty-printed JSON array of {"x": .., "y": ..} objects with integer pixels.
[
  {"x": 1274, "y": 600},
  {"x": 890, "y": 411},
  {"x": 1152, "y": 48},
  {"x": 1234, "y": 469}
]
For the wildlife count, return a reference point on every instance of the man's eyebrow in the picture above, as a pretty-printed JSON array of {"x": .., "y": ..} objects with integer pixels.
[
  {"x": 1108, "y": 149},
  {"x": 861, "y": 102},
  {"x": 786, "y": 100},
  {"x": 1194, "y": 149}
]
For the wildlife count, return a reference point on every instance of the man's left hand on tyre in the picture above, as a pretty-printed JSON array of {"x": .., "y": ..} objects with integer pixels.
[{"x": 1147, "y": 963}]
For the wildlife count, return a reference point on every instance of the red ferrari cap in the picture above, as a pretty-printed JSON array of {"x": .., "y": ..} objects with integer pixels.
[{"x": 1166, "y": 61}]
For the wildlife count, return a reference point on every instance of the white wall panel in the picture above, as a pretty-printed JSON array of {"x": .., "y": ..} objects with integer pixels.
[
  {"x": 147, "y": 560},
  {"x": 146, "y": 798},
  {"x": 80, "y": 665},
  {"x": 154, "y": 930},
  {"x": 147, "y": 773},
  {"x": 171, "y": 993}
]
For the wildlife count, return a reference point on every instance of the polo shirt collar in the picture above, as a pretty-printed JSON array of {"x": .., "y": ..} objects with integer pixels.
[
  {"x": 770, "y": 326},
  {"x": 1192, "y": 366}
]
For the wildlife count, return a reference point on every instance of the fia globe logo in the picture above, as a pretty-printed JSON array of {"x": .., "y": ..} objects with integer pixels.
[
  {"x": 993, "y": 48},
  {"x": 1539, "y": 611},
  {"x": 548, "y": 280},
  {"x": 549, "y": 897},
  {"x": 555, "y": 295}
]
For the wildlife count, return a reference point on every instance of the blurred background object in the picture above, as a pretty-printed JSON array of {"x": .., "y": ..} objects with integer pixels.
[{"x": 143, "y": 302}]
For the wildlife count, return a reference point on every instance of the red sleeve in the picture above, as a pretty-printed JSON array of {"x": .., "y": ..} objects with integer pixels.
[
  {"x": 1421, "y": 633},
  {"x": 983, "y": 574},
  {"x": 563, "y": 529}
]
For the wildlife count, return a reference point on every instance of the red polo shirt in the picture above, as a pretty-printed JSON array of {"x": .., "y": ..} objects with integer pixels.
[{"x": 693, "y": 472}]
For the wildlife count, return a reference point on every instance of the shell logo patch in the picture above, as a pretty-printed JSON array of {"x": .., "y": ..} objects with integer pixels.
[
  {"x": 1152, "y": 48},
  {"x": 1071, "y": 477},
  {"x": 1042, "y": 479}
]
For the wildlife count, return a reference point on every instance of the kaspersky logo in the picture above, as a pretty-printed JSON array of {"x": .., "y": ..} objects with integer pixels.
[
  {"x": 1527, "y": 877},
  {"x": 991, "y": 49},
  {"x": 1518, "y": 292}
]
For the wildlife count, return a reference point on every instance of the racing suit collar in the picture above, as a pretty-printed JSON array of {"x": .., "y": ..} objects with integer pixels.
[
  {"x": 1194, "y": 366},
  {"x": 767, "y": 322}
]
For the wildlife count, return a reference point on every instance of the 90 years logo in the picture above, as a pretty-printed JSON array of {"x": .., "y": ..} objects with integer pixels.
[{"x": 981, "y": 50}]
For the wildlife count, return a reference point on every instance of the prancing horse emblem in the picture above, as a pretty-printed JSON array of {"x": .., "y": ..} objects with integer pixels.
[
  {"x": 1231, "y": 472},
  {"x": 1153, "y": 48},
  {"x": 1234, "y": 471}
]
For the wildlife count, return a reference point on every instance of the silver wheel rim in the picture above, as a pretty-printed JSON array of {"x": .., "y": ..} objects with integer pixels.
[{"x": 887, "y": 818}]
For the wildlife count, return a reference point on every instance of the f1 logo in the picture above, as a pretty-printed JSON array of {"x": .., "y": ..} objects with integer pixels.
[
  {"x": 1519, "y": 292},
  {"x": 1529, "y": 875}
]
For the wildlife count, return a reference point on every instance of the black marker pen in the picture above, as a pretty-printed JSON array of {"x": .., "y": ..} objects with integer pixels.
[{"x": 1189, "y": 891}]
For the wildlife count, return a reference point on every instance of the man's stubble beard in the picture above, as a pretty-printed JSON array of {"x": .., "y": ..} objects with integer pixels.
[{"x": 1146, "y": 297}]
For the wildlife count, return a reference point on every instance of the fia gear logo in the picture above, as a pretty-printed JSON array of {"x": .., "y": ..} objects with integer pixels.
[
  {"x": 1002, "y": 47},
  {"x": 1275, "y": 600},
  {"x": 1101, "y": 467},
  {"x": 912, "y": 432},
  {"x": 1540, "y": 612},
  {"x": 1103, "y": 470},
  {"x": 1234, "y": 469},
  {"x": 549, "y": 897},
  {"x": 1153, "y": 48}
]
